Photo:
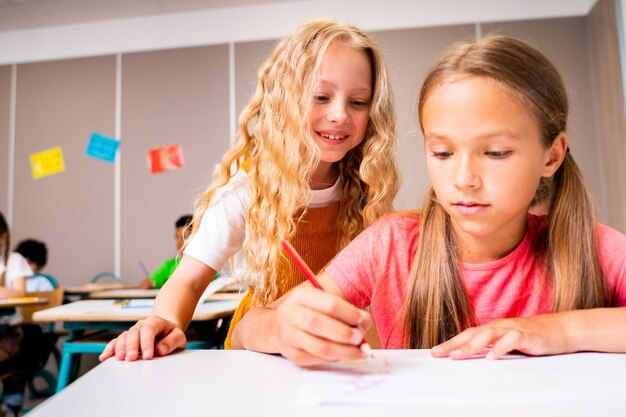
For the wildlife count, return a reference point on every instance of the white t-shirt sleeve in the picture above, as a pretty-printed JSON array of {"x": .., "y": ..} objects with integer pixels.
[
  {"x": 16, "y": 267},
  {"x": 38, "y": 283},
  {"x": 223, "y": 227}
]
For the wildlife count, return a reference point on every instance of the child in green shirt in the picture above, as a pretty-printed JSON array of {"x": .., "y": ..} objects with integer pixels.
[{"x": 163, "y": 272}]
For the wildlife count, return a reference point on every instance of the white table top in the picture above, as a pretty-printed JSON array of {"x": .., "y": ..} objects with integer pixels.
[
  {"x": 240, "y": 383},
  {"x": 218, "y": 306}
]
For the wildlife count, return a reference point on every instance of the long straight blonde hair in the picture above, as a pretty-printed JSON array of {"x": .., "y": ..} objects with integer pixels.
[
  {"x": 277, "y": 148},
  {"x": 437, "y": 306}
]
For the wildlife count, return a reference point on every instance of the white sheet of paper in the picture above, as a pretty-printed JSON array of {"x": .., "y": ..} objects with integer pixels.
[
  {"x": 326, "y": 383},
  {"x": 429, "y": 380},
  {"x": 141, "y": 303},
  {"x": 215, "y": 285}
]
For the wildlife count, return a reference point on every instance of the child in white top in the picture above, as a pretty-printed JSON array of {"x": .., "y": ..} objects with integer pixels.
[
  {"x": 36, "y": 254},
  {"x": 13, "y": 272}
]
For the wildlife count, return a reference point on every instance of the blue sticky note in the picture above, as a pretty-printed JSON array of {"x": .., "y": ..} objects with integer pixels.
[{"x": 102, "y": 147}]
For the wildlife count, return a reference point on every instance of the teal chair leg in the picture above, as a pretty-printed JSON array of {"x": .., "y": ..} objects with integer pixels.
[
  {"x": 75, "y": 367},
  {"x": 64, "y": 370},
  {"x": 70, "y": 361}
]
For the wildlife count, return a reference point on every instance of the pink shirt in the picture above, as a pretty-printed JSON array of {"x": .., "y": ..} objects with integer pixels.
[{"x": 374, "y": 268}]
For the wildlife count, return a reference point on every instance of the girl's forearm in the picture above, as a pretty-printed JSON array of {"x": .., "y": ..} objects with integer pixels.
[
  {"x": 176, "y": 302},
  {"x": 11, "y": 292},
  {"x": 598, "y": 330},
  {"x": 254, "y": 331}
]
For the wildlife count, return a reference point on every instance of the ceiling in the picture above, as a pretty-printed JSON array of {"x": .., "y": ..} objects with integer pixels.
[
  {"x": 44, "y": 30},
  {"x": 30, "y": 14}
]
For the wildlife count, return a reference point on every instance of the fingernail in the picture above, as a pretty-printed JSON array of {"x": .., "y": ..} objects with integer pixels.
[
  {"x": 490, "y": 355},
  {"x": 356, "y": 338},
  {"x": 366, "y": 350},
  {"x": 456, "y": 352}
]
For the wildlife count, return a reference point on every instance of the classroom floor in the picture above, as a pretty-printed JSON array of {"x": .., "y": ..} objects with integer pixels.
[{"x": 30, "y": 404}]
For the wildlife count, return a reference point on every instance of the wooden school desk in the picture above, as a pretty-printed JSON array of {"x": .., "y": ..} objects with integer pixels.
[
  {"x": 135, "y": 293},
  {"x": 89, "y": 315},
  {"x": 241, "y": 383},
  {"x": 84, "y": 291}
]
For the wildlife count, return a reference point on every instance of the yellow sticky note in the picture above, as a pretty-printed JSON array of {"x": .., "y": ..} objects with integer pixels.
[{"x": 47, "y": 162}]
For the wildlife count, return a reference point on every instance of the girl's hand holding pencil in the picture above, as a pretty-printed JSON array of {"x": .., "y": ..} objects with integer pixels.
[{"x": 315, "y": 324}]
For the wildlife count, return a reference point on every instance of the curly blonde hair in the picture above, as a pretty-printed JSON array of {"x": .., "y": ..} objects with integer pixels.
[{"x": 275, "y": 144}]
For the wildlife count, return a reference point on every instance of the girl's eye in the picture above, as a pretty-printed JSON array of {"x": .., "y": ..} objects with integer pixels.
[
  {"x": 442, "y": 155},
  {"x": 321, "y": 97},
  {"x": 498, "y": 154},
  {"x": 359, "y": 103}
]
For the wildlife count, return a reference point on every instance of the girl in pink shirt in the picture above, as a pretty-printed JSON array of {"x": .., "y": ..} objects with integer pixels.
[{"x": 473, "y": 271}]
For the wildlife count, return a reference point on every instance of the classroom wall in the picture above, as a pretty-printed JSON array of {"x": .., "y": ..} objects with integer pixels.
[
  {"x": 183, "y": 95},
  {"x": 59, "y": 103},
  {"x": 172, "y": 96},
  {"x": 5, "y": 103},
  {"x": 248, "y": 58},
  {"x": 608, "y": 103}
]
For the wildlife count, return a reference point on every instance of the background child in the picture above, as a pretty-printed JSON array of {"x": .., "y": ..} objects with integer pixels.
[
  {"x": 163, "y": 272},
  {"x": 36, "y": 254},
  {"x": 21, "y": 346},
  {"x": 314, "y": 164},
  {"x": 475, "y": 270},
  {"x": 13, "y": 272}
]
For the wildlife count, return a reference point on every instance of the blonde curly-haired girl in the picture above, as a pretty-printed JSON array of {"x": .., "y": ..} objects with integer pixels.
[{"x": 314, "y": 164}]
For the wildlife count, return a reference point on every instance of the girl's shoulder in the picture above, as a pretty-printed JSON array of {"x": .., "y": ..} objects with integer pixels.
[
  {"x": 237, "y": 186},
  {"x": 611, "y": 248},
  {"x": 399, "y": 223},
  {"x": 16, "y": 258},
  {"x": 610, "y": 239},
  {"x": 17, "y": 266}
]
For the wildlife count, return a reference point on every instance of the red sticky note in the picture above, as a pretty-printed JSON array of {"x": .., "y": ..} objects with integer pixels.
[{"x": 165, "y": 158}]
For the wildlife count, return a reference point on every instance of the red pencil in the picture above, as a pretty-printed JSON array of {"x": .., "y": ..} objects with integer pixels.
[{"x": 302, "y": 266}]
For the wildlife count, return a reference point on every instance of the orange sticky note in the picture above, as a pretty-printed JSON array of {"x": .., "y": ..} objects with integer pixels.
[
  {"x": 165, "y": 158},
  {"x": 47, "y": 162}
]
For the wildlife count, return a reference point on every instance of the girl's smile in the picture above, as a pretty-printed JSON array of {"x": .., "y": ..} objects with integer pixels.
[{"x": 332, "y": 137}]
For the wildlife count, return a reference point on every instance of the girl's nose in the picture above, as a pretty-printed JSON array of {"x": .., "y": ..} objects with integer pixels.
[
  {"x": 467, "y": 175},
  {"x": 337, "y": 112}
]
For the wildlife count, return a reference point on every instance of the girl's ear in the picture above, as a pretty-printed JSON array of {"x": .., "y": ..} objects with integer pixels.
[{"x": 555, "y": 155}]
